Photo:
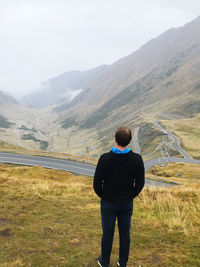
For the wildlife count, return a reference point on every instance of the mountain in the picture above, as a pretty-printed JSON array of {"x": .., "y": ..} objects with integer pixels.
[
  {"x": 63, "y": 87},
  {"x": 161, "y": 80},
  {"x": 162, "y": 76}
]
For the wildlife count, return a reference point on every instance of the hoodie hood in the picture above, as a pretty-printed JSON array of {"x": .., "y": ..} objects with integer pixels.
[{"x": 118, "y": 151}]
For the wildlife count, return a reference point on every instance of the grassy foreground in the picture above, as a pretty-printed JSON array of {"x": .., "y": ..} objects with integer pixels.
[{"x": 51, "y": 218}]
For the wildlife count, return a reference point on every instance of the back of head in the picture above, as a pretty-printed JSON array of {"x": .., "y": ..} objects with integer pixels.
[{"x": 123, "y": 136}]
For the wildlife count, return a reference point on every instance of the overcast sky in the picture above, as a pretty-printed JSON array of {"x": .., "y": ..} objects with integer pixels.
[{"x": 40, "y": 39}]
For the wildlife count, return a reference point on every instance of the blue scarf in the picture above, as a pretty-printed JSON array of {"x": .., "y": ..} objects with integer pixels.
[{"x": 117, "y": 151}]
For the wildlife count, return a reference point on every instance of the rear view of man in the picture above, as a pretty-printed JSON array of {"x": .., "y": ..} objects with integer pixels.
[{"x": 118, "y": 179}]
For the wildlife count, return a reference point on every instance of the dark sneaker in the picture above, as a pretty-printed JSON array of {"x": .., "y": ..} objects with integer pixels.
[
  {"x": 118, "y": 264},
  {"x": 100, "y": 262}
]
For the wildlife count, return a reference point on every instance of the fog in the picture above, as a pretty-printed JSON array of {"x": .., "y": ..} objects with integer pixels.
[{"x": 42, "y": 39}]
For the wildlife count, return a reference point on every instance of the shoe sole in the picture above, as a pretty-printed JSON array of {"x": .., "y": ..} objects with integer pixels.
[{"x": 99, "y": 263}]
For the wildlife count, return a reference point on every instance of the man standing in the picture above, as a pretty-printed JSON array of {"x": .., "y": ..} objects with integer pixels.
[{"x": 118, "y": 179}]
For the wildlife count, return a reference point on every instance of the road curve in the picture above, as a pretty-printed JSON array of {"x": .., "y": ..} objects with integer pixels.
[
  {"x": 175, "y": 143},
  {"x": 51, "y": 163},
  {"x": 165, "y": 160},
  {"x": 61, "y": 164}
]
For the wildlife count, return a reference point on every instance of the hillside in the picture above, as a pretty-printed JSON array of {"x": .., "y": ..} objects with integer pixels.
[
  {"x": 158, "y": 81},
  {"x": 166, "y": 67},
  {"x": 18, "y": 125}
]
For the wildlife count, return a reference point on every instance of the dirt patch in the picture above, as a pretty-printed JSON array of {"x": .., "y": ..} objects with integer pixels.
[
  {"x": 4, "y": 221},
  {"x": 156, "y": 259},
  {"x": 6, "y": 232}
]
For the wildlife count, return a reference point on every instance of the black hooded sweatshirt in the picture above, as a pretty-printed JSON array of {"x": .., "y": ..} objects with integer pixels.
[{"x": 119, "y": 177}]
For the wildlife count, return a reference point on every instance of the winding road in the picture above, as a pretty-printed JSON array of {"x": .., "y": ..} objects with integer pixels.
[
  {"x": 163, "y": 160},
  {"x": 175, "y": 143},
  {"x": 47, "y": 162},
  {"x": 159, "y": 161},
  {"x": 89, "y": 169},
  {"x": 76, "y": 167}
]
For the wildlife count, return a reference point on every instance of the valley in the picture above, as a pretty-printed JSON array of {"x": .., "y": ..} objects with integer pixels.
[
  {"x": 77, "y": 112},
  {"x": 38, "y": 130}
]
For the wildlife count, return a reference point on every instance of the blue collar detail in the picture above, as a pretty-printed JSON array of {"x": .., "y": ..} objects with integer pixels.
[{"x": 117, "y": 151}]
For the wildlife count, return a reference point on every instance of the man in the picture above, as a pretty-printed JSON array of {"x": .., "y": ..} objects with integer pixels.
[{"x": 118, "y": 179}]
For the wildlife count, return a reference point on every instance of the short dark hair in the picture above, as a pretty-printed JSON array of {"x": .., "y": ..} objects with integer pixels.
[{"x": 123, "y": 136}]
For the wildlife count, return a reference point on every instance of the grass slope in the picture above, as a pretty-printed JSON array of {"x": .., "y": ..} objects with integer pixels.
[
  {"x": 29, "y": 136},
  {"x": 179, "y": 172},
  {"x": 52, "y": 218},
  {"x": 4, "y": 123},
  {"x": 4, "y": 145}
]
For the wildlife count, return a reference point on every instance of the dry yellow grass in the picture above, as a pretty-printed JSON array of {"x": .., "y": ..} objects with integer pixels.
[
  {"x": 52, "y": 218},
  {"x": 4, "y": 145},
  {"x": 179, "y": 172},
  {"x": 176, "y": 205}
]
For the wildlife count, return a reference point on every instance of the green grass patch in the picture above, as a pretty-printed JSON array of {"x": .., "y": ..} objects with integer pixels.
[
  {"x": 43, "y": 144},
  {"x": 4, "y": 123},
  {"x": 197, "y": 87},
  {"x": 67, "y": 123}
]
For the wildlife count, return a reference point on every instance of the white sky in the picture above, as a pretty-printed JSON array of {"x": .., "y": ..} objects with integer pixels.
[{"x": 40, "y": 39}]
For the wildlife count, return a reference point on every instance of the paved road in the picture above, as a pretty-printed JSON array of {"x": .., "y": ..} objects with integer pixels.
[
  {"x": 78, "y": 167},
  {"x": 175, "y": 143},
  {"x": 60, "y": 164},
  {"x": 159, "y": 161},
  {"x": 51, "y": 163}
]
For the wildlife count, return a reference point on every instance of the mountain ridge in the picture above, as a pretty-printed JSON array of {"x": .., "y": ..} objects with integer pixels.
[
  {"x": 155, "y": 54},
  {"x": 61, "y": 87}
]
